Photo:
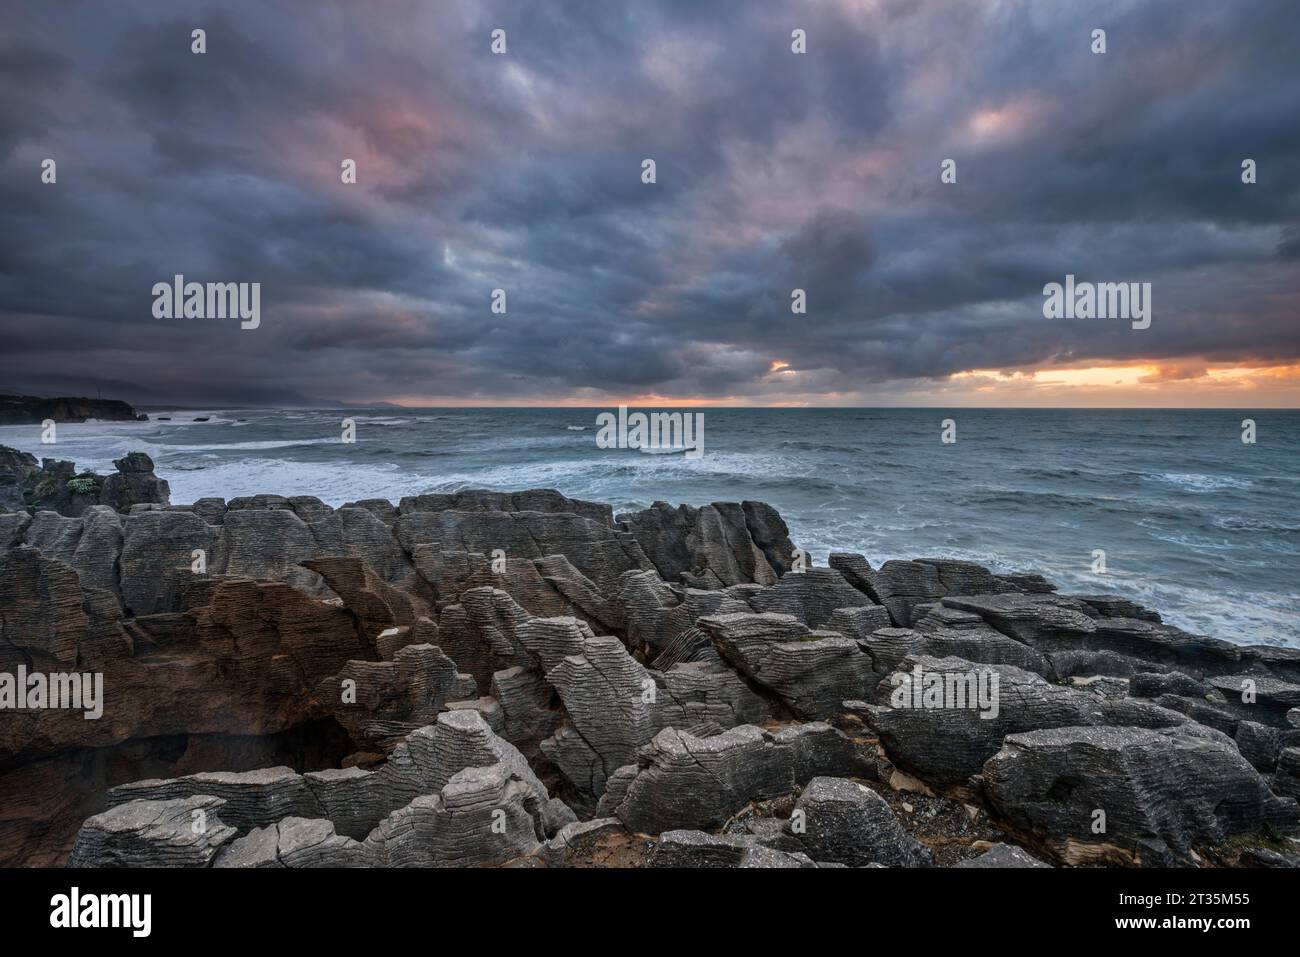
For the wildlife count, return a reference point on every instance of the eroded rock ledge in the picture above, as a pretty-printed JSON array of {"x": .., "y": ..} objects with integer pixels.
[{"x": 493, "y": 678}]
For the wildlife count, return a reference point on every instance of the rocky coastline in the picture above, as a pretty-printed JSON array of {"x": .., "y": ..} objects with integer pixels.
[
  {"x": 55, "y": 485},
  {"x": 524, "y": 679},
  {"x": 33, "y": 410}
]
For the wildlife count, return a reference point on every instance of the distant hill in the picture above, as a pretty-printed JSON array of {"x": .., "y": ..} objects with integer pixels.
[{"x": 33, "y": 410}]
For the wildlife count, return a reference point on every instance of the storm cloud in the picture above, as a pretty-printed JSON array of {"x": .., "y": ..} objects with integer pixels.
[{"x": 522, "y": 172}]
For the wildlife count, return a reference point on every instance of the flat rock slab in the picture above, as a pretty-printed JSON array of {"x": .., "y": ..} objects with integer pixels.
[
  {"x": 186, "y": 832},
  {"x": 845, "y": 822},
  {"x": 1002, "y": 855},
  {"x": 1162, "y": 792},
  {"x": 684, "y": 782}
]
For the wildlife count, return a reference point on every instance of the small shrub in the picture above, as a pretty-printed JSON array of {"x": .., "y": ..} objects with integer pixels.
[{"x": 83, "y": 484}]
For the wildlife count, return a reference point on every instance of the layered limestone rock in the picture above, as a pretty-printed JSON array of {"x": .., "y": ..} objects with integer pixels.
[
  {"x": 945, "y": 717},
  {"x": 485, "y": 678},
  {"x": 715, "y": 546},
  {"x": 453, "y": 794},
  {"x": 686, "y": 848},
  {"x": 813, "y": 596},
  {"x": 357, "y": 800},
  {"x": 186, "y": 832},
  {"x": 600, "y": 552},
  {"x": 1160, "y": 792},
  {"x": 681, "y": 781},
  {"x": 845, "y": 822},
  {"x": 614, "y": 706},
  {"x": 1002, "y": 855},
  {"x": 660, "y": 618},
  {"x": 904, "y": 586},
  {"x": 295, "y": 842},
  {"x": 250, "y": 799},
  {"x": 813, "y": 672},
  {"x": 380, "y": 702},
  {"x": 481, "y": 817}
]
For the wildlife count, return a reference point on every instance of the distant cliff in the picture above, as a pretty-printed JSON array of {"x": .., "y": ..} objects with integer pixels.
[{"x": 32, "y": 410}]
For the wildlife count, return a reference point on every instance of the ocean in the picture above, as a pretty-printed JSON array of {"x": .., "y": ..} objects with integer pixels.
[{"x": 1194, "y": 523}]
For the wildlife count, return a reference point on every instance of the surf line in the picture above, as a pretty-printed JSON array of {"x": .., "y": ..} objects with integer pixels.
[{"x": 667, "y": 431}]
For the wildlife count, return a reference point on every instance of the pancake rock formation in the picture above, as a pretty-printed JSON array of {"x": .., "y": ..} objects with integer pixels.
[{"x": 489, "y": 678}]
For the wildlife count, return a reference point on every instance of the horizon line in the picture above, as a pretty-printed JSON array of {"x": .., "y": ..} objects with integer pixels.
[{"x": 394, "y": 407}]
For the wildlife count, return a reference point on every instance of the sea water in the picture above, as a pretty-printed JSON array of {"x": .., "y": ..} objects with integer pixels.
[{"x": 1193, "y": 522}]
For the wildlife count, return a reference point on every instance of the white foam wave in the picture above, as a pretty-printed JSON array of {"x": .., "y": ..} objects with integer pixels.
[
  {"x": 663, "y": 450},
  {"x": 260, "y": 446},
  {"x": 333, "y": 486},
  {"x": 1196, "y": 482}
]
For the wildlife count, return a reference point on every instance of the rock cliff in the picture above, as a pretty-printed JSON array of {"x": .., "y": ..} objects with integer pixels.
[
  {"x": 488, "y": 678},
  {"x": 32, "y": 410}
]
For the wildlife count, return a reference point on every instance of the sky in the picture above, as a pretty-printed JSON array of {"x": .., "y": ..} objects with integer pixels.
[{"x": 774, "y": 171}]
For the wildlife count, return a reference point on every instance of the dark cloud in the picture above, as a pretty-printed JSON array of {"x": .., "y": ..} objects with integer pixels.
[
  {"x": 522, "y": 172},
  {"x": 828, "y": 254},
  {"x": 1288, "y": 246}
]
